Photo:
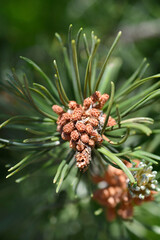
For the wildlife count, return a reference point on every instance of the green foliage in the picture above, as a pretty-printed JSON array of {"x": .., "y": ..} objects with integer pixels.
[{"x": 42, "y": 99}]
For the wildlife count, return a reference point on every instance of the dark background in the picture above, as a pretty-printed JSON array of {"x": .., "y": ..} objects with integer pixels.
[{"x": 31, "y": 209}]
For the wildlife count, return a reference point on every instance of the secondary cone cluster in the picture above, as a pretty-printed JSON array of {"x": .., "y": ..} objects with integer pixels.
[
  {"x": 81, "y": 126},
  {"x": 115, "y": 195},
  {"x": 146, "y": 182}
]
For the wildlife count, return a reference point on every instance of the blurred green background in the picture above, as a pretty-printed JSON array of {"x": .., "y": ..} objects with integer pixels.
[{"x": 31, "y": 209}]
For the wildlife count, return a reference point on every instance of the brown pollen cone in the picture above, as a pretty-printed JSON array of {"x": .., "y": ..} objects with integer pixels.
[
  {"x": 69, "y": 127},
  {"x": 57, "y": 109},
  {"x": 72, "y": 105},
  {"x": 75, "y": 135},
  {"x": 81, "y": 127}
]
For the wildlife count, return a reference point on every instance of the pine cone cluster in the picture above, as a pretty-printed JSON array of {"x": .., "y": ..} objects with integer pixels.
[{"x": 81, "y": 125}]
